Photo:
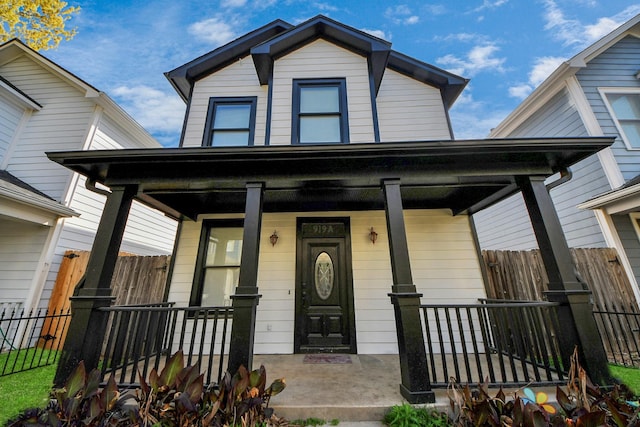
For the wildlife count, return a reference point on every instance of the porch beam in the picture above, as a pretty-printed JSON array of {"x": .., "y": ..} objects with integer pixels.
[
  {"x": 87, "y": 328},
  {"x": 246, "y": 298},
  {"x": 575, "y": 314},
  {"x": 415, "y": 386}
]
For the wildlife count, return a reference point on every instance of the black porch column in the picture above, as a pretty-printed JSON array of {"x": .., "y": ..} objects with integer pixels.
[
  {"x": 575, "y": 314},
  {"x": 88, "y": 325},
  {"x": 415, "y": 386},
  {"x": 245, "y": 300}
]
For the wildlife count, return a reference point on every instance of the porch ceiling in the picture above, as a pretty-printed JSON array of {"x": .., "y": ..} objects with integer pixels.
[{"x": 461, "y": 175}]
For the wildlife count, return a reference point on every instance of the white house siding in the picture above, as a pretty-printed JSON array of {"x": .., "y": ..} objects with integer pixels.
[
  {"x": 409, "y": 110},
  {"x": 443, "y": 258},
  {"x": 10, "y": 115},
  {"x": 148, "y": 231},
  {"x": 21, "y": 246},
  {"x": 236, "y": 80},
  {"x": 64, "y": 120},
  {"x": 321, "y": 59},
  {"x": 506, "y": 225},
  {"x": 629, "y": 238},
  {"x": 615, "y": 67}
]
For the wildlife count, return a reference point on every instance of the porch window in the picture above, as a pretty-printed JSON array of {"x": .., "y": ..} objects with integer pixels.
[
  {"x": 319, "y": 112},
  {"x": 624, "y": 107},
  {"x": 218, "y": 264},
  {"x": 230, "y": 122}
]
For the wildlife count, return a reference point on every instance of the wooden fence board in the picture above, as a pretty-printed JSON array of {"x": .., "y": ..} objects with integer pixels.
[
  {"x": 520, "y": 275},
  {"x": 136, "y": 280}
]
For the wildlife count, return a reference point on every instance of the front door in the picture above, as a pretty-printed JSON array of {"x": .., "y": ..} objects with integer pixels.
[{"x": 324, "y": 287}]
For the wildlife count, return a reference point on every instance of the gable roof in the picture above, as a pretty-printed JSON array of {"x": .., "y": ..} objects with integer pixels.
[
  {"x": 278, "y": 38},
  {"x": 553, "y": 83},
  {"x": 15, "y": 48}
]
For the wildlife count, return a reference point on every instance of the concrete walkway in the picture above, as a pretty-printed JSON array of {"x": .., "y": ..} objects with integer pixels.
[
  {"x": 357, "y": 390},
  {"x": 360, "y": 391}
]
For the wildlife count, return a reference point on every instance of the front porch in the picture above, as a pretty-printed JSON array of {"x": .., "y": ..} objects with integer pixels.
[{"x": 504, "y": 343}]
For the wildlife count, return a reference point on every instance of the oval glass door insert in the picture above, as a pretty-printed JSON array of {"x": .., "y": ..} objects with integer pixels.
[{"x": 324, "y": 275}]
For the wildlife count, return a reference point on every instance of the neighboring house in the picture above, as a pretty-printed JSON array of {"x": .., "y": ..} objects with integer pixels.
[
  {"x": 317, "y": 174},
  {"x": 44, "y": 209},
  {"x": 597, "y": 92}
]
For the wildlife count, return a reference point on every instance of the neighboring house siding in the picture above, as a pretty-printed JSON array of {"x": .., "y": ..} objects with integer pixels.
[
  {"x": 444, "y": 266},
  {"x": 236, "y": 80},
  {"x": 20, "y": 252},
  {"x": 507, "y": 225},
  {"x": 409, "y": 110},
  {"x": 64, "y": 119},
  {"x": 616, "y": 67},
  {"x": 321, "y": 59},
  {"x": 10, "y": 115},
  {"x": 629, "y": 238}
]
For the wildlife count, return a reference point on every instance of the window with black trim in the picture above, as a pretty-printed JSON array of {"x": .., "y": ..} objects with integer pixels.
[
  {"x": 230, "y": 122},
  {"x": 624, "y": 107},
  {"x": 319, "y": 112},
  {"x": 218, "y": 263}
]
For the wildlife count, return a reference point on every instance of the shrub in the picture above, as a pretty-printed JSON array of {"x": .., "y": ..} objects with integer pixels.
[
  {"x": 582, "y": 405},
  {"x": 406, "y": 415},
  {"x": 175, "y": 397}
]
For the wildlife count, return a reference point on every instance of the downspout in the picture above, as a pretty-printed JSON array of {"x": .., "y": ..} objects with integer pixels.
[
  {"x": 90, "y": 184},
  {"x": 565, "y": 175}
]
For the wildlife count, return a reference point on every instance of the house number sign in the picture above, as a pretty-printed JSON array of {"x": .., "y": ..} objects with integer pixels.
[{"x": 323, "y": 230}]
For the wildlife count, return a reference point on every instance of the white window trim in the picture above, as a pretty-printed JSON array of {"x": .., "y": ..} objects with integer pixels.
[{"x": 618, "y": 90}]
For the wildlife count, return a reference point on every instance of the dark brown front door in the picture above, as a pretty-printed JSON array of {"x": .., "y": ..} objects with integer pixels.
[{"x": 324, "y": 288}]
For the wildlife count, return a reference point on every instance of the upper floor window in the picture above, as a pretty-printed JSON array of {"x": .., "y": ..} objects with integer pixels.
[
  {"x": 319, "y": 111},
  {"x": 624, "y": 107},
  {"x": 230, "y": 122},
  {"x": 218, "y": 263}
]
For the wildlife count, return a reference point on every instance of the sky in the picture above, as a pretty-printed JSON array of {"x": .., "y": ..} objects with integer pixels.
[{"x": 505, "y": 47}]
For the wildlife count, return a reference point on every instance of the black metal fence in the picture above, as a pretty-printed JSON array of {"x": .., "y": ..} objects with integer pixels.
[
  {"x": 30, "y": 339},
  {"x": 620, "y": 333},
  {"x": 507, "y": 343},
  {"x": 143, "y": 337}
]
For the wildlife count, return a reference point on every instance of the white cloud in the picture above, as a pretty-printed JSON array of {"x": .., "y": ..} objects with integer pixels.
[
  {"x": 542, "y": 68},
  {"x": 572, "y": 32},
  {"x": 231, "y": 4},
  {"x": 463, "y": 37},
  {"x": 435, "y": 9},
  {"x": 377, "y": 33},
  {"x": 217, "y": 30},
  {"x": 479, "y": 58},
  {"x": 401, "y": 14},
  {"x": 325, "y": 7},
  {"x": 158, "y": 112},
  {"x": 489, "y": 4},
  {"x": 520, "y": 91},
  {"x": 472, "y": 119}
]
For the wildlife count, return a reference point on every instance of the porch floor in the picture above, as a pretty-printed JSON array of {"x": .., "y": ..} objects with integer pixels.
[{"x": 362, "y": 390}]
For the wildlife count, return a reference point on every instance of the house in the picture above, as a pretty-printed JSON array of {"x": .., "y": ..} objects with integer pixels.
[
  {"x": 322, "y": 197},
  {"x": 44, "y": 209},
  {"x": 597, "y": 92}
]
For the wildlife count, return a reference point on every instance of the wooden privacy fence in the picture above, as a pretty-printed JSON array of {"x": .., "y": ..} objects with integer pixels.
[
  {"x": 520, "y": 275},
  {"x": 136, "y": 280}
]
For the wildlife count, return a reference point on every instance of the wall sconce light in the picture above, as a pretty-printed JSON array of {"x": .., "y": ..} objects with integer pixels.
[
  {"x": 373, "y": 236},
  {"x": 274, "y": 238}
]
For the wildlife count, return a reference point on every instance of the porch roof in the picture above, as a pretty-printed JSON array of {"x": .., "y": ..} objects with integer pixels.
[{"x": 462, "y": 175}]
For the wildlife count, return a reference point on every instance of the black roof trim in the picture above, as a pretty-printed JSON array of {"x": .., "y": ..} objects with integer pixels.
[
  {"x": 12, "y": 86},
  {"x": 375, "y": 49},
  {"x": 183, "y": 77},
  {"x": 450, "y": 84}
]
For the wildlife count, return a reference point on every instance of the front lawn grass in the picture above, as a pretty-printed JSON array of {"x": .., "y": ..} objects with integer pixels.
[
  {"x": 629, "y": 376},
  {"x": 22, "y": 390}
]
